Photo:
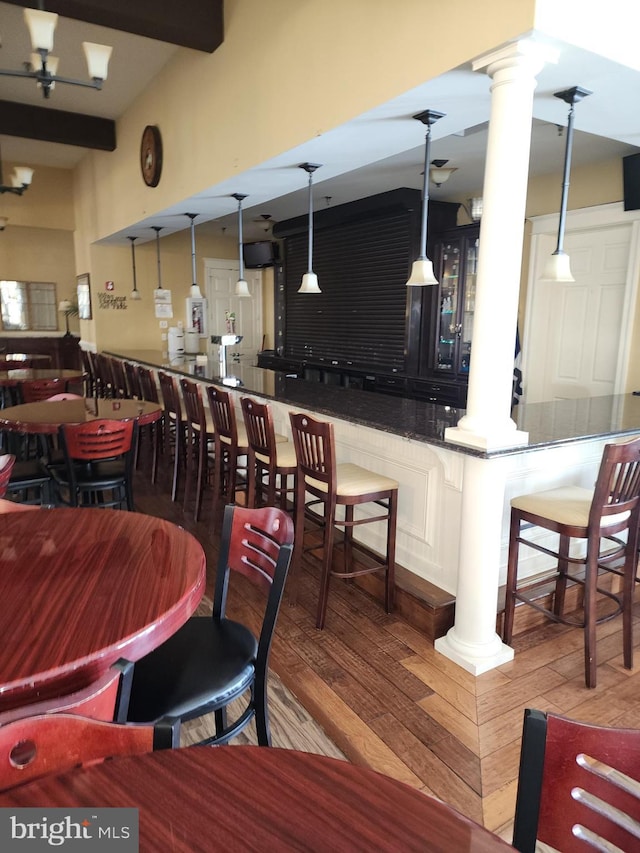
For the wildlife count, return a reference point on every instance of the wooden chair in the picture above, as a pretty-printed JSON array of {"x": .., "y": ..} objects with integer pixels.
[
  {"x": 332, "y": 485},
  {"x": 7, "y": 461},
  {"x": 213, "y": 660},
  {"x": 578, "y": 786},
  {"x": 104, "y": 375},
  {"x": 133, "y": 380},
  {"x": 230, "y": 442},
  {"x": 119, "y": 378},
  {"x": 89, "y": 376},
  {"x": 47, "y": 744},
  {"x": 146, "y": 389},
  {"x": 608, "y": 515},
  {"x": 106, "y": 698},
  {"x": 98, "y": 468},
  {"x": 269, "y": 463},
  {"x": 199, "y": 438},
  {"x": 173, "y": 428}
]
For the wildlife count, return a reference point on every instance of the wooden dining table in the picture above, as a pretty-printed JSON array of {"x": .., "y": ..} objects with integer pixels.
[
  {"x": 254, "y": 798},
  {"x": 11, "y": 376},
  {"x": 81, "y": 588},
  {"x": 45, "y": 417}
]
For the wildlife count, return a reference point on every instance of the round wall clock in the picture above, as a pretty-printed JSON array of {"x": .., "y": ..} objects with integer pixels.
[{"x": 151, "y": 155}]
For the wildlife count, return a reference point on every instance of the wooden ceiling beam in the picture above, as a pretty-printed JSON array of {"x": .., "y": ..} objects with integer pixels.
[
  {"x": 50, "y": 125},
  {"x": 200, "y": 26}
]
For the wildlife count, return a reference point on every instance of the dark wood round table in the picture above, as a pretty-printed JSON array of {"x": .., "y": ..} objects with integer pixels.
[
  {"x": 81, "y": 588},
  {"x": 254, "y": 798},
  {"x": 45, "y": 417},
  {"x": 10, "y": 376}
]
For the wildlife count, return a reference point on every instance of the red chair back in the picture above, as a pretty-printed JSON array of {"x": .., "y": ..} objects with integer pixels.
[
  {"x": 99, "y": 439},
  {"x": 7, "y": 461},
  {"x": 41, "y": 389}
]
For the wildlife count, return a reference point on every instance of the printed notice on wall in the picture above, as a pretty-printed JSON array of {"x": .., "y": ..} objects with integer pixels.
[{"x": 162, "y": 303}]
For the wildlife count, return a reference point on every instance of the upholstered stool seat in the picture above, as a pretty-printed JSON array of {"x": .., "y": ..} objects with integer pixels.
[
  {"x": 332, "y": 485},
  {"x": 604, "y": 521}
]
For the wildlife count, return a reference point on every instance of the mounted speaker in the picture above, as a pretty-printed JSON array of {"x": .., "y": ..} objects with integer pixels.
[{"x": 631, "y": 181}]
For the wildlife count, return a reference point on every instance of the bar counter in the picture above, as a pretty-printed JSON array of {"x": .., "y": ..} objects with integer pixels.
[
  {"x": 548, "y": 424},
  {"x": 453, "y": 501}
]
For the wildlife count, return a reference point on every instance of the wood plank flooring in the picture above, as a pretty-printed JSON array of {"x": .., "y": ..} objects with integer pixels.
[{"x": 390, "y": 702}]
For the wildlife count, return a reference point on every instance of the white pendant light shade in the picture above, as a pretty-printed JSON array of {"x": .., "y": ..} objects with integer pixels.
[
  {"x": 42, "y": 26},
  {"x": 135, "y": 295},
  {"x": 422, "y": 274},
  {"x": 194, "y": 292},
  {"x": 4, "y": 221},
  {"x": 24, "y": 176},
  {"x": 557, "y": 268},
  {"x": 97, "y": 56},
  {"x": 242, "y": 288},
  {"x": 309, "y": 283}
]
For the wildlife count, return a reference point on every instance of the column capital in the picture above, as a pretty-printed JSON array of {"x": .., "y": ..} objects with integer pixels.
[{"x": 522, "y": 54}]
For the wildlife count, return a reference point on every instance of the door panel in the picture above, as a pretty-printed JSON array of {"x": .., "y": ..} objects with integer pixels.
[
  {"x": 220, "y": 282},
  {"x": 575, "y": 327}
]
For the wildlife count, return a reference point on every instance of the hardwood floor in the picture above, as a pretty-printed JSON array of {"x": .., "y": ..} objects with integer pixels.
[{"x": 390, "y": 702}]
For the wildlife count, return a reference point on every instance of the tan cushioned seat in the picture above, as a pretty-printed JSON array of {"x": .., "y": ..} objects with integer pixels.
[
  {"x": 353, "y": 480},
  {"x": 566, "y": 505},
  {"x": 285, "y": 455}
]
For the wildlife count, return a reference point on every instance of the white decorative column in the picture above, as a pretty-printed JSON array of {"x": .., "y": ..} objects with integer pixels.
[{"x": 487, "y": 425}]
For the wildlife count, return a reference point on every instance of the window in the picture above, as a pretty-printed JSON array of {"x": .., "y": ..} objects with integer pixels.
[{"x": 28, "y": 305}]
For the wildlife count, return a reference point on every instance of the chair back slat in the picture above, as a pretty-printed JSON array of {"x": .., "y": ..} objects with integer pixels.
[{"x": 99, "y": 439}]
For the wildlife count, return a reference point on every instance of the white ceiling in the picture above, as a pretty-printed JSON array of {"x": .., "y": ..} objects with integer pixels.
[{"x": 377, "y": 151}]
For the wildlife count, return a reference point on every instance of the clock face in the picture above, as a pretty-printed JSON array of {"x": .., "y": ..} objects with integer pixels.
[{"x": 151, "y": 156}]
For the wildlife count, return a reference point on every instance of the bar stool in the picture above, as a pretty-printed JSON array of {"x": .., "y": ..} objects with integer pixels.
[
  {"x": 230, "y": 442},
  {"x": 332, "y": 485},
  {"x": 590, "y": 515},
  {"x": 131, "y": 372},
  {"x": 199, "y": 437},
  {"x": 269, "y": 463},
  {"x": 173, "y": 427},
  {"x": 142, "y": 385}
]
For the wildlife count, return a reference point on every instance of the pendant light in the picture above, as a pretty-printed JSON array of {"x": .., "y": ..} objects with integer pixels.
[
  {"x": 242, "y": 288},
  {"x": 135, "y": 293},
  {"x": 158, "y": 229},
  {"x": 558, "y": 267},
  {"x": 422, "y": 269},
  {"x": 310, "y": 279},
  {"x": 195, "y": 290}
]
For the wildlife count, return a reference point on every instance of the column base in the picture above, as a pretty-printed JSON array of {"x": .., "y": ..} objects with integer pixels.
[
  {"x": 475, "y": 659},
  {"x": 497, "y": 441}
]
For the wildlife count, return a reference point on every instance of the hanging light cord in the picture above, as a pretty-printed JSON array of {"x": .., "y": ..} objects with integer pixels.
[
  {"x": 158, "y": 229},
  {"x": 310, "y": 249},
  {"x": 425, "y": 196},
  {"x": 133, "y": 263}
]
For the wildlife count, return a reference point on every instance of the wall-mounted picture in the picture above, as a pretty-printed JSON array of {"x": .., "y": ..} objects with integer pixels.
[{"x": 84, "y": 297}]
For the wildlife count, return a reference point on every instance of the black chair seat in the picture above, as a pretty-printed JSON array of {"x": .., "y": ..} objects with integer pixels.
[
  {"x": 212, "y": 660},
  {"x": 202, "y": 667},
  {"x": 99, "y": 475}
]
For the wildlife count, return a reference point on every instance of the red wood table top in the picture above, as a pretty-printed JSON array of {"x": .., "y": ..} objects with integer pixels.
[
  {"x": 255, "y": 798},
  {"x": 45, "y": 417},
  {"x": 10, "y": 376},
  {"x": 81, "y": 588}
]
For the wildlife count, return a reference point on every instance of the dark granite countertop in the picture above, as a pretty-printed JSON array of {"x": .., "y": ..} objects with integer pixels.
[{"x": 548, "y": 424}]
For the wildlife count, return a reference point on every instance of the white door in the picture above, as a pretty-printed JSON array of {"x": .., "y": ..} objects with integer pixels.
[
  {"x": 220, "y": 282},
  {"x": 575, "y": 330}
]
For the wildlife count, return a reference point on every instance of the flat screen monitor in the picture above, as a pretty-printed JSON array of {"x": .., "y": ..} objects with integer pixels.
[{"x": 259, "y": 255}]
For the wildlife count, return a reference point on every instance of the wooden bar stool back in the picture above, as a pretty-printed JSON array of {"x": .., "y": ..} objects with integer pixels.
[
  {"x": 199, "y": 438},
  {"x": 119, "y": 379},
  {"x": 230, "y": 445},
  {"x": 133, "y": 380},
  {"x": 173, "y": 428},
  {"x": 606, "y": 520},
  {"x": 142, "y": 385},
  {"x": 332, "y": 485},
  {"x": 270, "y": 463}
]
